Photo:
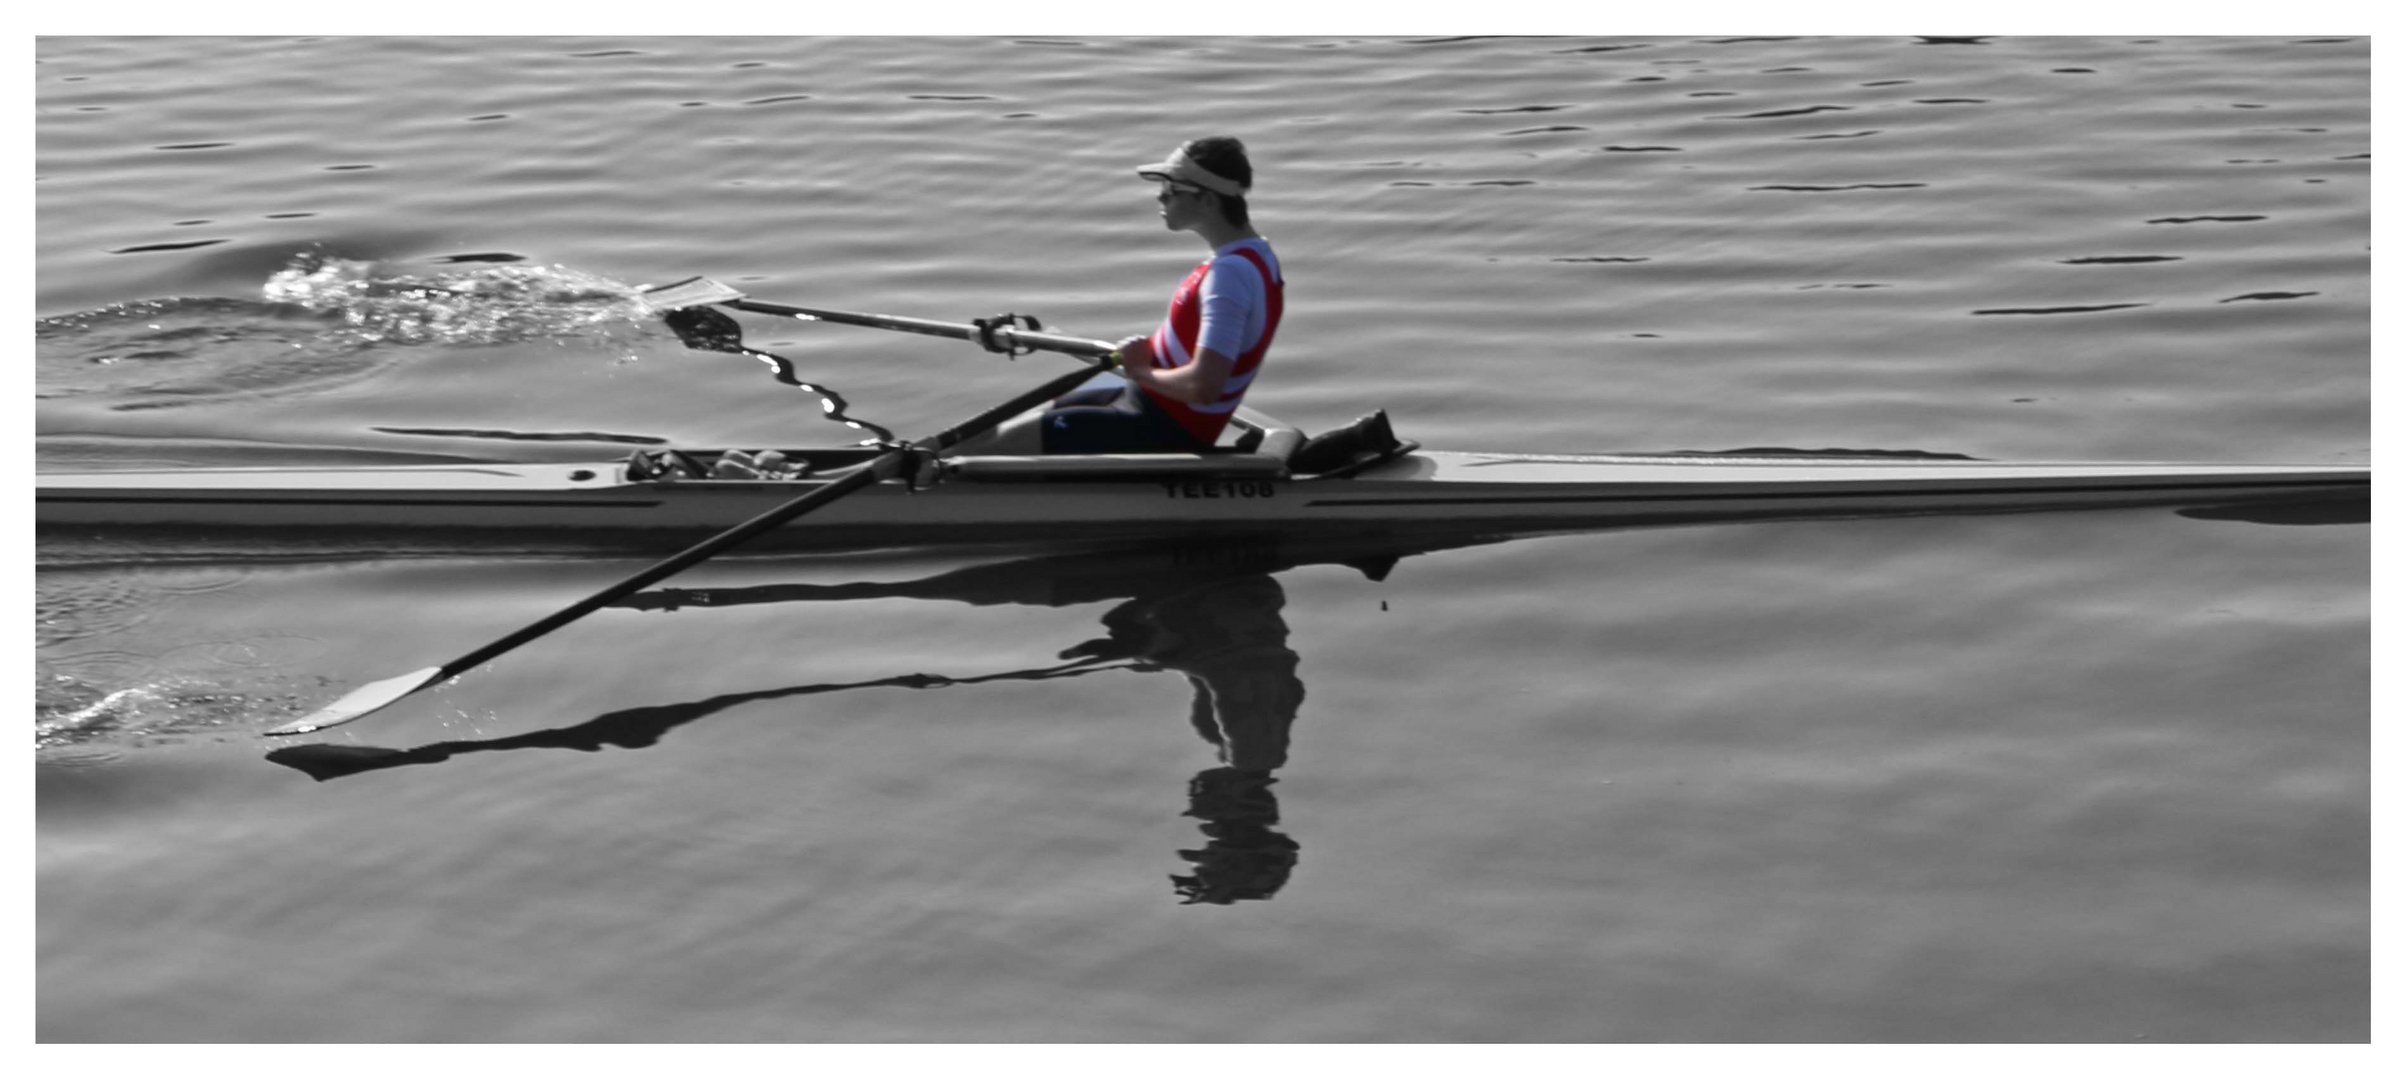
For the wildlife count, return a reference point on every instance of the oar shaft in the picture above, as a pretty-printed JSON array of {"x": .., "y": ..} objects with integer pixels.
[
  {"x": 833, "y": 490},
  {"x": 767, "y": 520},
  {"x": 374, "y": 696},
  {"x": 1010, "y": 336}
]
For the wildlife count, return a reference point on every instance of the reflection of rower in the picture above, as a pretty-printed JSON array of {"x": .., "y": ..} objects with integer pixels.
[
  {"x": 1243, "y": 858},
  {"x": 1230, "y": 641},
  {"x": 1211, "y": 612}
]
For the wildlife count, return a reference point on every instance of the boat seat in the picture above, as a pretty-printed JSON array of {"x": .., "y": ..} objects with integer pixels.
[
  {"x": 1051, "y": 466},
  {"x": 1277, "y": 443}
]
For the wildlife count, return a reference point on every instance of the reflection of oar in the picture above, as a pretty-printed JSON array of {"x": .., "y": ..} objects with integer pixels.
[
  {"x": 633, "y": 728},
  {"x": 377, "y": 695},
  {"x": 997, "y": 334}
]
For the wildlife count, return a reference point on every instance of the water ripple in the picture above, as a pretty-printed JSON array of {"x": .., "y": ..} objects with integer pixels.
[
  {"x": 1781, "y": 113},
  {"x": 506, "y": 435},
  {"x": 2075, "y": 309},
  {"x": 1837, "y": 187},
  {"x": 319, "y": 321},
  {"x": 71, "y": 714},
  {"x": 185, "y": 245}
]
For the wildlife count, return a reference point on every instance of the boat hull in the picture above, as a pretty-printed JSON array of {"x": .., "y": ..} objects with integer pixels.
[{"x": 1459, "y": 491}]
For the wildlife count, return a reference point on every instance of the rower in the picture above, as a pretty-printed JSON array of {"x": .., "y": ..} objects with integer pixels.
[{"x": 1177, "y": 387}]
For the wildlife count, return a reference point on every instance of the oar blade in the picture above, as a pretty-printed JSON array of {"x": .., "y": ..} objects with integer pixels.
[
  {"x": 361, "y": 702},
  {"x": 692, "y": 292},
  {"x": 706, "y": 328}
]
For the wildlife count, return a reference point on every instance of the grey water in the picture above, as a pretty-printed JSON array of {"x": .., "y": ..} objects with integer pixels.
[{"x": 2068, "y": 777}]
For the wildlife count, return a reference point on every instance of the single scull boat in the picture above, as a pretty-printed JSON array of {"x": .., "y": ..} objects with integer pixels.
[{"x": 1266, "y": 480}]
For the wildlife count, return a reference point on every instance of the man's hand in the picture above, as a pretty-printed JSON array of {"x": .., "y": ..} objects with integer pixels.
[{"x": 1133, "y": 352}]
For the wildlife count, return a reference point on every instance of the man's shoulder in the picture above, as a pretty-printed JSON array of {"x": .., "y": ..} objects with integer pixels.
[{"x": 1235, "y": 255}]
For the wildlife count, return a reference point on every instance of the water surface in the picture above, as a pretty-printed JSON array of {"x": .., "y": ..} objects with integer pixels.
[{"x": 2066, "y": 777}]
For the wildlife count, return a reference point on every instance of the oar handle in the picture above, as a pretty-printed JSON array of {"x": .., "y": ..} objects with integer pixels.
[{"x": 1002, "y": 335}]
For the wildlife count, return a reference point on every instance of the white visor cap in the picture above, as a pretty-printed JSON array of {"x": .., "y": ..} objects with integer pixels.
[{"x": 1183, "y": 169}]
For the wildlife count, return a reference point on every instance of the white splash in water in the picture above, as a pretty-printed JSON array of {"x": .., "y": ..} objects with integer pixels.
[{"x": 484, "y": 305}]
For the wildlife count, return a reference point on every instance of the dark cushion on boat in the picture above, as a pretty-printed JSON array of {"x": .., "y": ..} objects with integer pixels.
[{"x": 1366, "y": 439}]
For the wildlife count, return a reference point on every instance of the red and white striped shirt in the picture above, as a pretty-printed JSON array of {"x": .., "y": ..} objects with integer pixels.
[{"x": 1232, "y": 305}]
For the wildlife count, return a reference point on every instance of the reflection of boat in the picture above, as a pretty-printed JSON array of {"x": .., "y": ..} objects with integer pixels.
[
  {"x": 1269, "y": 479},
  {"x": 1090, "y": 576}
]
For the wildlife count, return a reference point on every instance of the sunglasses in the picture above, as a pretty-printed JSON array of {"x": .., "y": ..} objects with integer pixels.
[{"x": 1173, "y": 187}]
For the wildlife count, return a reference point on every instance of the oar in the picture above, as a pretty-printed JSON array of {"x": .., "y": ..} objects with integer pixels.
[
  {"x": 377, "y": 695},
  {"x": 696, "y": 291}
]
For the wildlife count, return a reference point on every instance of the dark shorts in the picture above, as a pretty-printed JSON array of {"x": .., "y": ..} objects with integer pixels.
[{"x": 1112, "y": 420}]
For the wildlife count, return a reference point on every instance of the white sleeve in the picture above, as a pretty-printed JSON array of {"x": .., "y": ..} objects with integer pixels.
[{"x": 1236, "y": 305}]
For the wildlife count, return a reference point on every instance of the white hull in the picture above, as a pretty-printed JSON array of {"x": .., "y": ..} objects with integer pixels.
[{"x": 1466, "y": 491}]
